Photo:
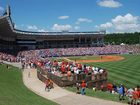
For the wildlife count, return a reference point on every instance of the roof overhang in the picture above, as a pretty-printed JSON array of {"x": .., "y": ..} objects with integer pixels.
[{"x": 7, "y": 27}]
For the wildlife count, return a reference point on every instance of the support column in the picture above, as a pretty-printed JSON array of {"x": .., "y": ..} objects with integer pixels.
[
  {"x": 97, "y": 40},
  {"x": 91, "y": 39},
  {"x": 79, "y": 39},
  {"x": 85, "y": 40}
]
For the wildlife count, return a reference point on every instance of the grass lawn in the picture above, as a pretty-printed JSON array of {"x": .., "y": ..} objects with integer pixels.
[
  {"x": 13, "y": 91},
  {"x": 100, "y": 94}
]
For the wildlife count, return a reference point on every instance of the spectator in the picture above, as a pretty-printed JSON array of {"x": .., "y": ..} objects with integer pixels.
[
  {"x": 78, "y": 88},
  {"x": 51, "y": 84},
  {"x": 102, "y": 87},
  {"x": 83, "y": 87},
  {"x": 109, "y": 87},
  {"x": 135, "y": 97},
  {"x": 121, "y": 92},
  {"x": 115, "y": 88},
  {"x": 130, "y": 94},
  {"x": 47, "y": 82}
]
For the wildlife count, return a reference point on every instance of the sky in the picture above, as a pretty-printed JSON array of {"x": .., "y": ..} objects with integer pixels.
[{"x": 74, "y": 15}]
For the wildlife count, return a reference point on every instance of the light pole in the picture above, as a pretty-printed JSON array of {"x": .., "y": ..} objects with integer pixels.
[{"x": 139, "y": 39}]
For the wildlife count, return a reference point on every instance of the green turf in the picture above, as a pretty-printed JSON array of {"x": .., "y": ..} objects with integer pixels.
[
  {"x": 100, "y": 94},
  {"x": 126, "y": 71},
  {"x": 84, "y": 58},
  {"x": 13, "y": 92}
]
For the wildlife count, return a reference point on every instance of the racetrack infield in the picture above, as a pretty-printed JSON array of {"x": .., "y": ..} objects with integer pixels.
[{"x": 104, "y": 58}]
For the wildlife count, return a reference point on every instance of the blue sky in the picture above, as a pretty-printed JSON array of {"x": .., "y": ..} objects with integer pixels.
[{"x": 75, "y": 15}]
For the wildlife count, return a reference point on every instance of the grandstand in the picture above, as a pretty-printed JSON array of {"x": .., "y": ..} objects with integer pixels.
[{"x": 15, "y": 39}]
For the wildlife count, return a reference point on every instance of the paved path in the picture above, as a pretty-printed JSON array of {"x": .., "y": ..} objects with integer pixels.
[
  {"x": 60, "y": 95},
  {"x": 14, "y": 64}
]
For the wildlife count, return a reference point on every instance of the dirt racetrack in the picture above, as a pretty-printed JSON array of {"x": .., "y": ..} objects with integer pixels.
[{"x": 103, "y": 58}]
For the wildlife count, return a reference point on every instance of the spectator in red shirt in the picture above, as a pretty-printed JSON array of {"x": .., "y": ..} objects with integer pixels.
[
  {"x": 135, "y": 96},
  {"x": 109, "y": 87},
  {"x": 63, "y": 69},
  {"x": 83, "y": 86}
]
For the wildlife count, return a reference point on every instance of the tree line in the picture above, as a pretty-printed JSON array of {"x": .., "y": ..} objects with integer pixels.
[{"x": 126, "y": 38}]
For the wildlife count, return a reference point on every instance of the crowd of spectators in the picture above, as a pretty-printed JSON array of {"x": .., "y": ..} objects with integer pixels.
[
  {"x": 61, "y": 68},
  {"x": 133, "y": 94},
  {"x": 41, "y": 57},
  {"x": 108, "y": 49},
  {"x": 7, "y": 57}
]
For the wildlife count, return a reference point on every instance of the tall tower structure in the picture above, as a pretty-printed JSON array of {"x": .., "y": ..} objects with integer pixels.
[{"x": 8, "y": 10}]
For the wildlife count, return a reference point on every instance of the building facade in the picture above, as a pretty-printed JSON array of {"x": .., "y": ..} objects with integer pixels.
[{"x": 12, "y": 38}]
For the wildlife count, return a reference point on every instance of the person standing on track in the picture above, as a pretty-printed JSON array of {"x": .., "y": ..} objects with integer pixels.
[{"x": 47, "y": 82}]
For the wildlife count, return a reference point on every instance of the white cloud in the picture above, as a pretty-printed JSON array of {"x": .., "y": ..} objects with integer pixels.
[
  {"x": 63, "y": 17},
  {"x": 57, "y": 27},
  {"x": 32, "y": 27},
  {"x": 127, "y": 19},
  {"x": 105, "y": 26},
  {"x": 77, "y": 27},
  {"x": 1, "y": 10},
  {"x": 42, "y": 30},
  {"x": 35, "y": 28},
  {"x": 127, "y": 28},
  {"x": 81, "y": 20},
  {"x": 109, "y": 3},
  {"x": 126, "y": 23}
]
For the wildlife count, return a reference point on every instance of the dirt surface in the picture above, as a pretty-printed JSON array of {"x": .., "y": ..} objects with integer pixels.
[{"x": 104, "y": 58}]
